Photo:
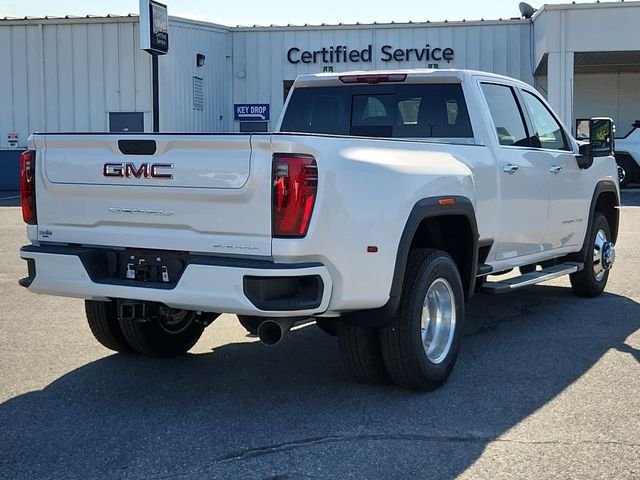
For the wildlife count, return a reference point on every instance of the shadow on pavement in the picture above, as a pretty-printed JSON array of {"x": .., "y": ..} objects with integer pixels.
[
  {"x": 248, "y": 411},
  {"x": 630, "y": 197},
  {"x": 9, "y": 198}
]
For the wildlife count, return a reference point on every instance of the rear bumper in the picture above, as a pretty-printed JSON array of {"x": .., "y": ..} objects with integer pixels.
[{"x": 211, "y": 284}]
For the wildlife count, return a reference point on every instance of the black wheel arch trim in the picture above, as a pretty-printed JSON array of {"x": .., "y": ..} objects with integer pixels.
[
  {"x": 426, "y": 208},
  {"x": 603, "y": 186}
]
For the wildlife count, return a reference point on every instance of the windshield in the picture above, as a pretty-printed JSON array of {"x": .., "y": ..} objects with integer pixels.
[{"x": 392, "y": 111}]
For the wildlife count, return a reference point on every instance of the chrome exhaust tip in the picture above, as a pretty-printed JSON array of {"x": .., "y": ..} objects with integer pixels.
[{"x": 270, "y": 332}]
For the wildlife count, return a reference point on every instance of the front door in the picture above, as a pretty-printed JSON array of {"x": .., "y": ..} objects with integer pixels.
[{"x": 568, "y": 211}]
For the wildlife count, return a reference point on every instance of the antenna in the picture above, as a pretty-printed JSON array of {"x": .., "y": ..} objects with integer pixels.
[{"x": 526, "y": 10}]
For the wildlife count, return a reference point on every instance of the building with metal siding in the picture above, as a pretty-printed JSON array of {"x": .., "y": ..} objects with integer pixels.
[
  {"x": 89, "y": 74},
  {"x": 260, "y": 64},
  {"x": 179, "y": 73},
  {"x": 66, "y": 75}
]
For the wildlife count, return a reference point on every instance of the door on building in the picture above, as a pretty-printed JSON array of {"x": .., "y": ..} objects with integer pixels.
[
  {"x": 126, "y": 122},
  {"x": 523, "y": 177}
]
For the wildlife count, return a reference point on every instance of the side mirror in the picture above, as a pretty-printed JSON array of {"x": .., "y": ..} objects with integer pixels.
[{"x": 601, "y": 141}]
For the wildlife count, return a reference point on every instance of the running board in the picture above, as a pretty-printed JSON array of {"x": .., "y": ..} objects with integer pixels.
[{"x": 510, "y": 284}]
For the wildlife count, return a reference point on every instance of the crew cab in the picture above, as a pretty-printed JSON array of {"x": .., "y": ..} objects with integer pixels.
[{"x": 383, "y": 201}]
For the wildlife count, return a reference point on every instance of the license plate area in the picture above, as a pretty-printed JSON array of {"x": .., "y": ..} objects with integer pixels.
[{"x": 150, "y": 267}]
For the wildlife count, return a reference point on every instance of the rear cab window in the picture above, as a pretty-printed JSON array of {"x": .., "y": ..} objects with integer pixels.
[{"x": 419, "y": 111}]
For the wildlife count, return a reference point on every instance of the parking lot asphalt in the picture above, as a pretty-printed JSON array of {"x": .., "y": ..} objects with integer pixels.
[{"x": 547, "y": 385}]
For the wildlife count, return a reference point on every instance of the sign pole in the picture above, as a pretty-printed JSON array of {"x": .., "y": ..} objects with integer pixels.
[
  {"x": 155, "y": 93},
  {"x": 154, "y": 39}
]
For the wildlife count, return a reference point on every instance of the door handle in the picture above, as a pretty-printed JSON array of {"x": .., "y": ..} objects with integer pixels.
[
  {"x": 556, "y": 169},
  {"x": 510, "y": 169}
]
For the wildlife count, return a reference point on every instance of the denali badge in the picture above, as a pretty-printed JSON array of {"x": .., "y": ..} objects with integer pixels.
[
  {"x": 141, "y": 211},
  {"x": 146, "y": 170}
]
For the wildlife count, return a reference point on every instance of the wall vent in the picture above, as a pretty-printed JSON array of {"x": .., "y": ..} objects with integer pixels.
[{"x": 198, "y": 94}]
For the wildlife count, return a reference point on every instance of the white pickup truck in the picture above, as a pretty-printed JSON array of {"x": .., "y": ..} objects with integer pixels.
[
  {"x": 627, "y": 151},
  {"x": 383, "y": 202}
]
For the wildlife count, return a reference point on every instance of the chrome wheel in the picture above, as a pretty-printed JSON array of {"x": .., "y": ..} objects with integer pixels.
[
  {"x": 438, "y": 322},
  {"x": 599, "y": 245},
  {"x": 622, "y": 174}
]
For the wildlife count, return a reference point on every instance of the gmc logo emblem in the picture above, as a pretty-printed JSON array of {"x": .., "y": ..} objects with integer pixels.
[{"x": 146, "y": 170}]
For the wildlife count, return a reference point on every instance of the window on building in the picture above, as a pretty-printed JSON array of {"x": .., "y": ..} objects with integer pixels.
[
  {"x": 126, "y": 122},
  {"x": 548, "y": 132},
  {"x": 198, "y": 93},
  {"x": 506, "y": 114},
  {"x": 249, "y": 127}
]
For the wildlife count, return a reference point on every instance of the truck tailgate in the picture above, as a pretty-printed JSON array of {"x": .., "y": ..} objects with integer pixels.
[{"x": 198, "y": 193}]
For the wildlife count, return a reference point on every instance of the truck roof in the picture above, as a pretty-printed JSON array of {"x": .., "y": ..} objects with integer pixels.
[{"x": 416, "y": 75}]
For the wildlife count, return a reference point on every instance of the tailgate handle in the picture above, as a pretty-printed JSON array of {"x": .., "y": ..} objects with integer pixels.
[{"x": 137, "y": 147}]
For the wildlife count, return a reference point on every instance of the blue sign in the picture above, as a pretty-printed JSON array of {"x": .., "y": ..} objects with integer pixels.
[{"x": 251, "y": 112}]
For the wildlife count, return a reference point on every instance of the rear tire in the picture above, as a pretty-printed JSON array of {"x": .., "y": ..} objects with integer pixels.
[
  {"x": 103, "y": 322},
  {"x": 158, "y": 337},
  {"x": 361, "y": 354},
  {"x": 587, "y": 282},
  {"x": 420, "y": 346}
]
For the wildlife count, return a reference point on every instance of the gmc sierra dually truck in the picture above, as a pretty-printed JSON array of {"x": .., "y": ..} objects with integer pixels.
[{"x": 383, "y": 201}]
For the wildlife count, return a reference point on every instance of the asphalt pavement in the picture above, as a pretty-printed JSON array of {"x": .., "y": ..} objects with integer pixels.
[{"x": 547, "y": 385}]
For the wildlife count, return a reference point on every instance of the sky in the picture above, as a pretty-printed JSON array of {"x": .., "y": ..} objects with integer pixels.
[{"x": 262, "y": 12}]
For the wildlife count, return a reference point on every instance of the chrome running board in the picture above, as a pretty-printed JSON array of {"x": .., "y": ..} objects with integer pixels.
[{"x": 510, "y": 284}]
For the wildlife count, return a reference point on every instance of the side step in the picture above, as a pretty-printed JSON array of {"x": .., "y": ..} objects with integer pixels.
[{"x": 510, "y": 284}]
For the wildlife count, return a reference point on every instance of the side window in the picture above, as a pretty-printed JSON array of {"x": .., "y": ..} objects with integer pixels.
[
  {"x": 549, "y": 133},
  {"x": 506, "y": 115}
]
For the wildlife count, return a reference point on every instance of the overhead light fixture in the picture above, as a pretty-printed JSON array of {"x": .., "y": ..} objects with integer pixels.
[{"x": 200, "y": 60}]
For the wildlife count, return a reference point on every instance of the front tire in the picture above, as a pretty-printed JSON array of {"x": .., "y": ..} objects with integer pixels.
[
  {"x": 103, "y": 322},
  {"x": 166, "y": 332},
  {"x": 630, "y": 169},
  {"x": 420, "y": 346},
  {"x": 592, "y": 279}
]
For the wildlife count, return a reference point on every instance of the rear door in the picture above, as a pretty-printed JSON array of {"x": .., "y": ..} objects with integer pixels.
[
  {"x": 523, "y": 176},
  {"x": 197, "y": 193}
]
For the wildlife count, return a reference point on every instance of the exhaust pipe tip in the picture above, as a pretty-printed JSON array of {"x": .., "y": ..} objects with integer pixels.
[{"x": 270, "y": 333}]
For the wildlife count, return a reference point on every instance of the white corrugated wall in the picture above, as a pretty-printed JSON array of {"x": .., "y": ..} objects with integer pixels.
[
  {"x": 615, "y": 95},
  {"x": 68, "y": 74},
  {"x": 260, "y": 65},
  {"x": 177, "y": 69}
]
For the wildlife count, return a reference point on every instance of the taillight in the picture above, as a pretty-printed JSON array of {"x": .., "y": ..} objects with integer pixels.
[
  {"x": 295, "y": 183},
  {"x": 28, "y": 187}
]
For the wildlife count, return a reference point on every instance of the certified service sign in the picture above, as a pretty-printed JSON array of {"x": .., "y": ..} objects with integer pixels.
[
  {"x": 154, "y": 27},
  {"x": 251, "y": 112}
]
